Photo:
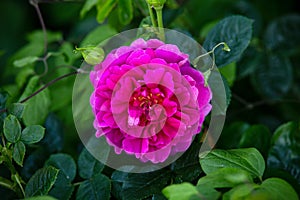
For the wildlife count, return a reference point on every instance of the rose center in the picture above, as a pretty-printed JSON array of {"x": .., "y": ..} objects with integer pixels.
[{"x": 141, "y": 103}]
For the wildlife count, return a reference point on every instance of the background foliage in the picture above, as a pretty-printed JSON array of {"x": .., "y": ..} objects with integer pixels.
[{"x": 258, "y": 154}]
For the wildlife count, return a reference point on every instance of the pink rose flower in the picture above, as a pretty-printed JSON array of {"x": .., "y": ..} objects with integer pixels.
[{"x": 148, "y": 100}]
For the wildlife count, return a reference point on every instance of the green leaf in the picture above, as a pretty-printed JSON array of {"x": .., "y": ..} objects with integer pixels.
[
  {"x": 25, "y": 61},
  {"x": 36, "y": 109},
  {"x": 183, "y": 191},
  {"x": 278, "y": 189},
  {"x": 65, "y": 163},
  {"x": 187, "y": 167},
  {"x": 92, "y": 55},
  {"x": 229, "y": 72},
  {"x": 88, "y": 165},
  {"x": 16, "y": 109},
  {"x": 3, "y": 99},
  {"x": 190, "y": 192},
  {"x": 285, "y": 148},
  {"x": 103, "y": 9},
  {"x": 53, "y": 140},
  {"x": 12, "y": 128},
  {"x": 240, "y": 192},
  {"x": 248, "y": 63},
  {"x": 88, "y": 5},
  {"x": 98, "y": 188},
  {"x": 273, "y": 77},
  {"x": 257, "y": 136},
  {"x": 38, "y": 36},
  {"x": 32, "y": 134},
  {"x": 35, "y": 47},
  {"x": 40, "y": 198},
  {"x": 231, "y": 135},
  {"x": 23, "y": 75},
  {"x": 225, "y": 178},
  {"x": 248, "y": 159},
  {"x": 97, "y": 35},
  {"x": 125, "y": 11},
  {"x": 34, "y": 161},
  {"x": 139, "y": 186},
  {"x": 236, "y": 32},
  {"x": 283, "y": 34},
  {"x": 19, "y": 152},
  {"x": 41, "y": 182},
  {"x": 62, "y": 188}
]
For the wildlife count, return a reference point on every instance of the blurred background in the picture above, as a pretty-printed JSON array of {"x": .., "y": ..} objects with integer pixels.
[{"x": 264, "y": 83}]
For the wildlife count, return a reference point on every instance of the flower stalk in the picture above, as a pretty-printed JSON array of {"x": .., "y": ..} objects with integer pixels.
[{"x": 158, "y": 6}]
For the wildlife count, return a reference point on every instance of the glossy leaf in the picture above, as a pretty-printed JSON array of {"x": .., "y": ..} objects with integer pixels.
[
  {"x": 62, "y": 188},
  {"x": 88, "y": 5},
  {"x": 257, "y": 136},
  {"x": 32, "y": 134},
  {"x": 53, "y": 140},
  {"x": 182, "y": 191},
  {"x": 16, "y": 109},
  {"x": 25, "y": 61},
  {"x": 231, "y": 135},
  {"x": 125, "y": 11},
  {"x": 240, "y": 192},
  {"x": 97, "y": 35},
  {"x": 12, "y": 128},
  {"x": 225, "y": 178},
  {"x": 103, "y": 9},
  {"x": 278, "y": 189},
  {"x": 41, "y": 198},
  {"x": 285, "y": 148},
  {"x": 41, "y": 182},
  {"x": 283, "y": 33},
  {"x": 249, "y": 160},
  {"x": 34, "y": 161},
  {"x": 229, "y": 72},
  {"x": 19, "y": 152},
  {"x": 3, "y": 99},
  {"x": 98, "y": 188},
  {"x": 187, "y": 167},
  {"x": 139, "y": 186},
  {"x": 64, "y": 163},
  {"x": 236, "y": 32},
  {"x": 88, "y": 165},
  {"x": 36, "y": 109},
  {"x": 273, "y": 77}
]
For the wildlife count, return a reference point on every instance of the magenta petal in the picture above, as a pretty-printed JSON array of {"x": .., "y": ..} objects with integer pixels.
[
  {"x": 139, "y": 43},
  {"x": 135, "y": 145}
]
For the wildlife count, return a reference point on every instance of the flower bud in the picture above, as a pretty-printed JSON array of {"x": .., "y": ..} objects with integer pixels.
[{"x": 156, "y": 3}]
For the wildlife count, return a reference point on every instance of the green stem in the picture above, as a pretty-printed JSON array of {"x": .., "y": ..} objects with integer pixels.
[
  {"x": 19, "y": 181},
  {"x": 160, "y": 22},
  {"x": 225, "y": 48},
  {"x": 152, "y": 16},
  {"x": 7, "y": 183}
]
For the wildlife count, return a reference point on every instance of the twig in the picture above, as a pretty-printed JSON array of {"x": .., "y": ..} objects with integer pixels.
[
  {"x": 37, "y": 8},
  {"x": 47, "y": 85}
]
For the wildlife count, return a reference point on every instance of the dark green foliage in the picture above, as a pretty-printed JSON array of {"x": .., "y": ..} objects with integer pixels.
[{"x": 258, "y": 153}]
